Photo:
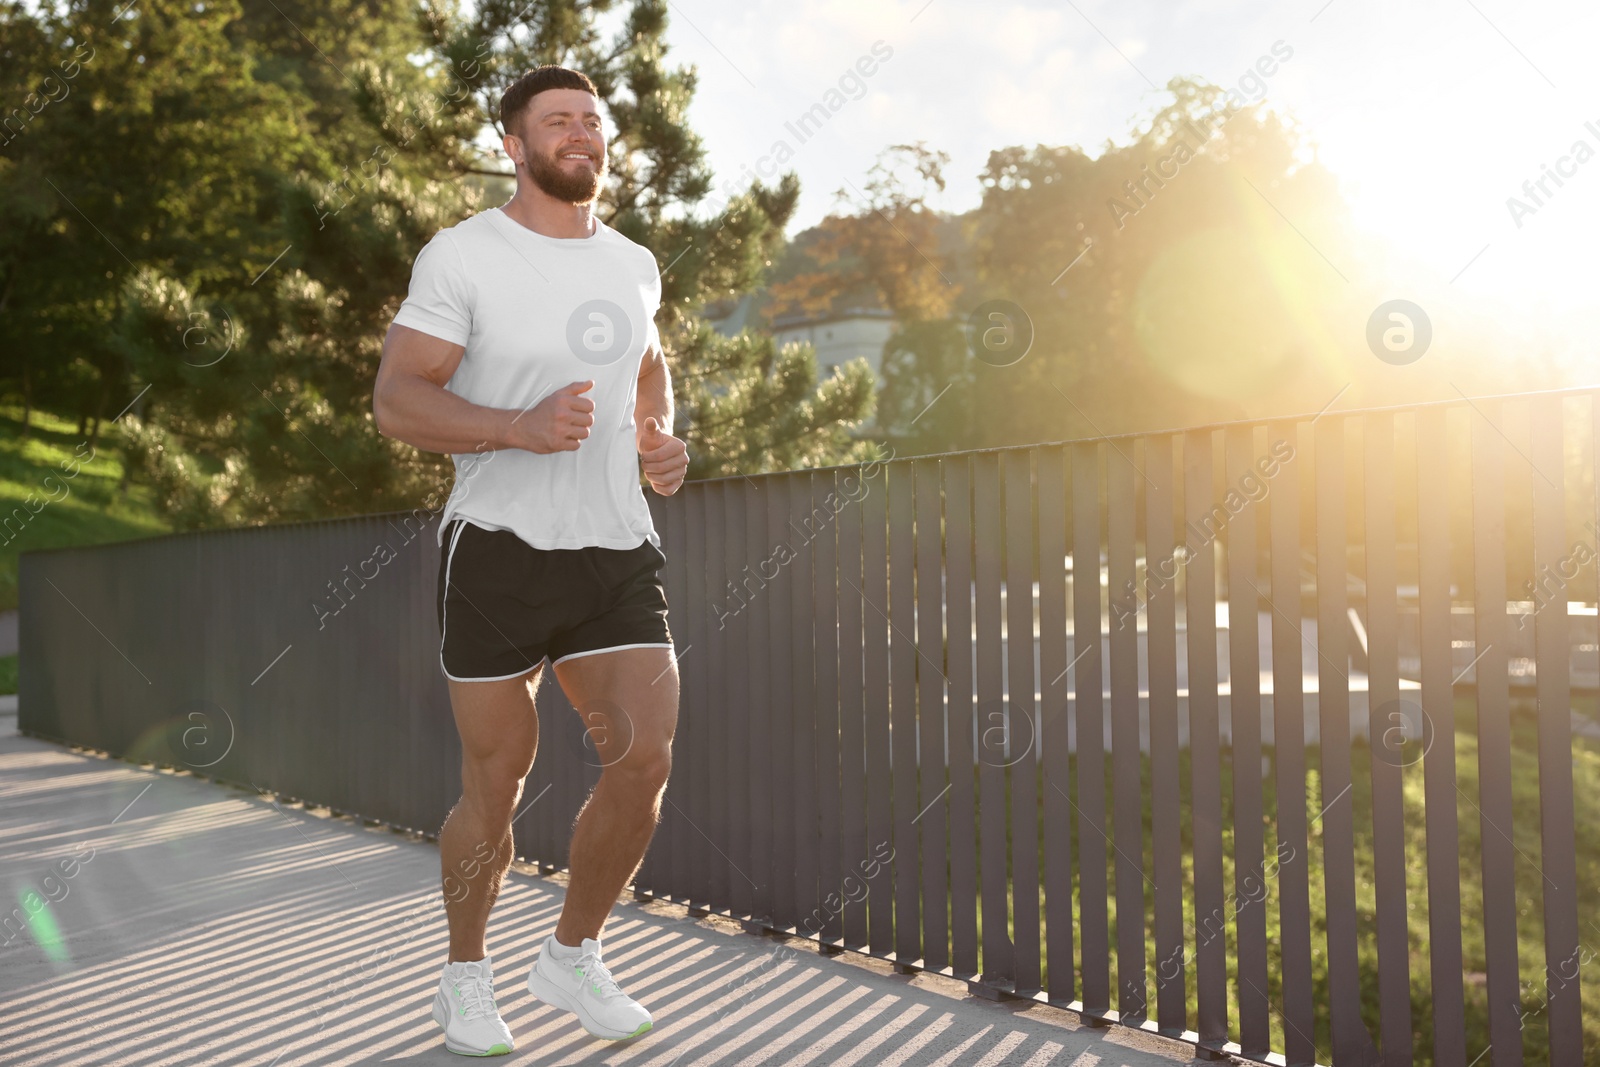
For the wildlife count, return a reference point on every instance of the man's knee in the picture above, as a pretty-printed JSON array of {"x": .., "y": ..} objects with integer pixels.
[
  {"x": 493, "y": 788},
  {"x": 648, "y": 764}
]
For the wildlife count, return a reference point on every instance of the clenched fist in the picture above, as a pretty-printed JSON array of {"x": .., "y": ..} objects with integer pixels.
[
  {"x": 559, "y": 423},
  {"x": 665, "y": 457}
]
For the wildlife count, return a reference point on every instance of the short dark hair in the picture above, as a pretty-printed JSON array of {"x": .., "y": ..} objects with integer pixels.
[{"x": 514, "y": 101}]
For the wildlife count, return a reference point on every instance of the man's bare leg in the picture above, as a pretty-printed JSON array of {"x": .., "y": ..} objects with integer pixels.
[
  {"x": 628, "y": 700},
  {"x": 499, "y": 728}
]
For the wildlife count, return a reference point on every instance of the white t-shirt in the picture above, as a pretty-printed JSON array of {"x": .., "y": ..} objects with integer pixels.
[{"x": 535, "y": 314}]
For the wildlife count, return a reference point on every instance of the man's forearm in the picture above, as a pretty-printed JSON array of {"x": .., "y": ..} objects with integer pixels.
[
  {"x": 654, "y": 398},
  {"x": 414, "y": 410}
]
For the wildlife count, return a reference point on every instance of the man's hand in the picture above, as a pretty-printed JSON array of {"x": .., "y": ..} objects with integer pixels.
[
  {"x": 666, "y": 459},
  {"x": 559, "y": 422}
]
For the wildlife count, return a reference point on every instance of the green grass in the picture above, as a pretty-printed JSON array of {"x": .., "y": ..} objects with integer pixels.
[
  {"x": 1529, "y": 888},
  {"x": 86, "y": 509}
]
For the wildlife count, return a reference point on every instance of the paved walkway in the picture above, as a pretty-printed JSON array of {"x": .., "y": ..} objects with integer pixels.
[{"x": 209, "y": 925}]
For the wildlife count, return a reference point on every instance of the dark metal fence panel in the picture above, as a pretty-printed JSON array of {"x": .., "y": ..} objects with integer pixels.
[
  {"x": 1493, "y": 698},
  {"x": 758, "y": 710},
  {"x": 1200, "y": 622},
  {"x": 889, "y": 659},
  {"x": 826, "y": 502},
  {"x": 875, "y": 708},
  {"x": 1437, "y": 677},
  {"x": 1388, "y": 724},
  {"x": 779, "y": 699},
  {"x": 1494, "y": 738},
  {"x": 1553, "y": 644},
  {"x": 734, "y": 627},
  {"x": 956, "y": 480},
  {"x": 931, "y": 763},
  {"x": 713, "y": 798},
  {"x": 1289, "y": 754},
  {"x": 999, "y": 967},
  {"x": 696, "y": 800},
  {"x": 1127, "y": 790},
  {"x": 1244, "y": 702},
  {"x": 899, "y": 615},
  {"x": 682, "y": 572},
  {"x": 798, "y": 533},
  {"x": 1088, "y": 717},
  {"x": 1021, "y": 736},
  {"x": 1166, "y": 807},
  {"x": 1350, "y": 1039},
  {"x": 852, "y": 735},
  {"x": 1055, "y": 747}
]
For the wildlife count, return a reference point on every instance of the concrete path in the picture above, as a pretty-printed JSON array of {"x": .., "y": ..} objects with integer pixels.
[{"x": 192, "y": 923}]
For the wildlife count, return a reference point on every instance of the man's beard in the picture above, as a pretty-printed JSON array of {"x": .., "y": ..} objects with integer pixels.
[{"x": 574, "y": 185}]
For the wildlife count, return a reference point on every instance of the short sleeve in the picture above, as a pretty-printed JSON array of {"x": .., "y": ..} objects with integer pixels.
[{"x": 439, "y": 300}]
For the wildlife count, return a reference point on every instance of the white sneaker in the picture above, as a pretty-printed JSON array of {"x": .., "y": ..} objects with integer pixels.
[
  {"x": 582, "y": 985},
  {"x": 464, "y": 1006}
]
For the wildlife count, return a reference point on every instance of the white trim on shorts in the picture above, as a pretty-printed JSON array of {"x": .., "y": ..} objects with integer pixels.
[
  {"x": 501, "y": 678},
  {"x": 444, "y": 613},
  {"x": 611, "y": 648}
]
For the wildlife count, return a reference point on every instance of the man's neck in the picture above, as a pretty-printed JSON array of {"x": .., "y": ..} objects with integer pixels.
[{"x": 546, "y": 215}]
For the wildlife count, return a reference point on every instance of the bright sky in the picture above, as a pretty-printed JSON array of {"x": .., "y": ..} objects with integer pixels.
[{"x": 1431, "y": 113}]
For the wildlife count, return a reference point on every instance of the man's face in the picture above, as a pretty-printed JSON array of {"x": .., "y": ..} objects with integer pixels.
[{"x": 563, "y": 145}]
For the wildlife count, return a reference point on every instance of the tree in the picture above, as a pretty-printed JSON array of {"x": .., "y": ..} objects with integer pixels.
[{"x": 250, "y": 180}]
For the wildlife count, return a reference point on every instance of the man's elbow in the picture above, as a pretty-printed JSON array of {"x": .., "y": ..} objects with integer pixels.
[{"x": 382, "y": 414}]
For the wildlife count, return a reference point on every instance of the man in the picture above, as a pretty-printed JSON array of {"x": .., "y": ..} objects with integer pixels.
[{"x": 527, "y": 348}]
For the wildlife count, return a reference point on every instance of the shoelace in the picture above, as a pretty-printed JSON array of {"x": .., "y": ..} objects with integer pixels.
[
  {"x": 595, "y": 972},
  {"x": 477, "y": 996}
]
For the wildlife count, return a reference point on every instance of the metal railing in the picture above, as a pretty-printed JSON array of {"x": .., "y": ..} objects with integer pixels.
[{"x": 867, "y": 756}]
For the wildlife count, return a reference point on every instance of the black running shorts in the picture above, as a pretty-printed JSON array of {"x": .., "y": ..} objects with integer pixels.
[{"x": 504, "y": 606}]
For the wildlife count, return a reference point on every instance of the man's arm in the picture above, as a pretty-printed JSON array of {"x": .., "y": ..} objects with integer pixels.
[
  {"x": 411, "y": 404},
  {"x": 654, "y": 393},
  {"x": 665, "y": 458}
]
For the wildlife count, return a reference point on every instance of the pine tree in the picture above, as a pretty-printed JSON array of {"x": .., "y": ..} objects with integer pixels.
[{"x": 242, "y": 186}]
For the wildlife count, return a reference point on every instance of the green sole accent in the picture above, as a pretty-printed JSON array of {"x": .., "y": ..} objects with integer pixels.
[
  {"x": 636, "y": 1033},
  {"x": 493, "y": 1050}
]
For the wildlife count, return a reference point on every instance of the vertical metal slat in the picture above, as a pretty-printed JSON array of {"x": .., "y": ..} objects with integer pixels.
[
  {"x": 1060, "y": 973},
  {"x": 1386, "y": 721},
  {"x": 998, "y": 965},
  {"x": 931, "y": 719},
  {"x": 1088, "y": 717},
  {"x": 1166, "y": 813},
  {"x": 1201, "y": 529},
  {"x": 1333, "y": 712},
  {"x": 1244, "y": 706},
  {"x": 956, "y": 474},
  {"x": 1439, "y": 761},
  {"x": 1021, "y": 760},
  {"x": 1494, "y": 737},
  {"x": 1127, "y": 789},
  {"x": 1557, "y": 833}
]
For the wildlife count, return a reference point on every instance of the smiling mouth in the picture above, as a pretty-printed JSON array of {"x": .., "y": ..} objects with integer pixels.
[{"x": 566, "y": 158}]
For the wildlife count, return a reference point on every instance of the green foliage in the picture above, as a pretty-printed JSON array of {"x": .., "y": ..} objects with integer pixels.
[
  {"x": 43, "y": 504},
  {"x": 218, "y": 221}
]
